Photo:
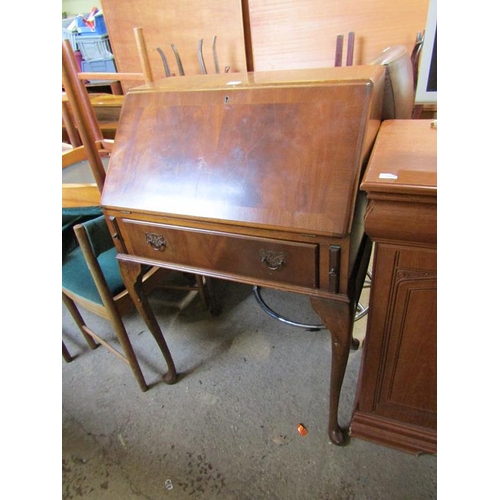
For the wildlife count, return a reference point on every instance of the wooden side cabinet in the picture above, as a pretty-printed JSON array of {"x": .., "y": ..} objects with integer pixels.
[{"x": 396, "y": 401}]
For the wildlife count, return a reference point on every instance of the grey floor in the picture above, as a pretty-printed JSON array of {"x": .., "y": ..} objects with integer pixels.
[{"x": 228, "y": 428}]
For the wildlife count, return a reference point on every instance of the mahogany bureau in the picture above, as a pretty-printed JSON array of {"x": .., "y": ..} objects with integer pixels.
[
  {"x": 250, "y": 177},
  {"x": 396, "y": 402}
]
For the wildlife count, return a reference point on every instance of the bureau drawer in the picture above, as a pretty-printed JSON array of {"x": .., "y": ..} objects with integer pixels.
[{"x": 274, "y": 260}]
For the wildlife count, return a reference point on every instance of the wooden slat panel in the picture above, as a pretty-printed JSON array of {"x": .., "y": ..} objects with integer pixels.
[
  {"x": 80, "y": 195},
  {"x": 289, "y": 34},
  {"x": 181, "y": 23}
]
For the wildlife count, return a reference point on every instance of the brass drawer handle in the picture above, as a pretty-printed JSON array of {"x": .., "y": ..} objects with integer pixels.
[
  {"x": 157, "y": 241},
  {"x": 273, "y": 260}
]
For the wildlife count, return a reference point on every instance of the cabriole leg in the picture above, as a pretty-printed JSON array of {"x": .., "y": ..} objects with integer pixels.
[{"x": 337, "y": 317}]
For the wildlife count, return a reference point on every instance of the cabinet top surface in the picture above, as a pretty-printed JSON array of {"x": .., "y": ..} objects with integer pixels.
[
  {"x": 277, "y": 150},
  {"x": 404, "y": 159}
]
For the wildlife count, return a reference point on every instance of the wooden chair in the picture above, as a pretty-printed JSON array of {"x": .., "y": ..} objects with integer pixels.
[
  {"x": 81, "y": 123},
  {"x": 93, "y": 146},
  {"x": 91, "y": 279},
  {"x": 69, "y": 219},
  {"x": 69, "y": 119}
]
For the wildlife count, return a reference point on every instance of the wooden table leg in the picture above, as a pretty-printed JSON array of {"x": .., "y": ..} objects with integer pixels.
[
  {"x": 132, "y": 274},
  {"x": 337, "y": 317},
  {"x": 207, "y": 294}
]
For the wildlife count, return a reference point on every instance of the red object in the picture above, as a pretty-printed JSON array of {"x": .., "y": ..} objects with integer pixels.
[
  {"x": 302, "y": 430},
  {"x": 89, "y": 24},
  {"x": 90, "y": 21}
]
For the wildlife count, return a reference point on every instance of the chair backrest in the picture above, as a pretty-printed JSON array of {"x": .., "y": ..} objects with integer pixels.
[
  {"x": 94, "y": 145},
  {"x": 87, "y": 124},
  {"x": 147, "y": 73},
  {"x": 70, "y": 218},
  {"x": 399, "y": 92},
  {"x": 98, "y": 235},
  {"x": 96, "y": 255}
]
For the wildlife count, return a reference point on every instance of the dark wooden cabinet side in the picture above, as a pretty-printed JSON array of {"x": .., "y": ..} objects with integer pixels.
[{"x": 396, "y": 400}]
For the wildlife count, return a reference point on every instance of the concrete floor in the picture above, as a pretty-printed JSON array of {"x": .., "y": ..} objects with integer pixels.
[{"x": 228, "y": 428}]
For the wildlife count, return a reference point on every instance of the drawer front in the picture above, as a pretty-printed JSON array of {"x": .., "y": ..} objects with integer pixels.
[{"x": 261, "y": 258}]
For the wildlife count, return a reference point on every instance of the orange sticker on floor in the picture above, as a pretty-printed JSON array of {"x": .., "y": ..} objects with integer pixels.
[{"x": 302, "y": 430}]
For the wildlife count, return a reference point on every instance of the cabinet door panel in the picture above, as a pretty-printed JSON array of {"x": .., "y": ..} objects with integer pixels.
[{"x": 403, "y": 363}]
